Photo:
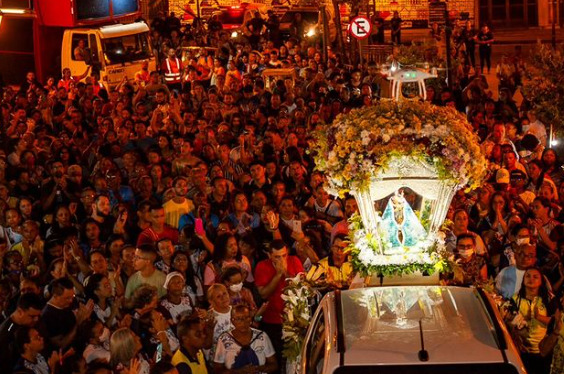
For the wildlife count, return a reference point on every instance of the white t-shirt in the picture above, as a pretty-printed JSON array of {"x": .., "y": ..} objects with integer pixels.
[
  {"x": 228, "y": 349},
  {"x": 94, "y": 352},
  {"x": 175, "y": 310}
]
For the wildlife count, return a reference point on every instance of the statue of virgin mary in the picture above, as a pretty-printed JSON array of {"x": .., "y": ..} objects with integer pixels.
[{"x": 400, "y": 224}]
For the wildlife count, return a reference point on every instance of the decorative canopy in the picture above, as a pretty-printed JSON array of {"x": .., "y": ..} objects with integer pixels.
[{"x": 380, "y": 153}]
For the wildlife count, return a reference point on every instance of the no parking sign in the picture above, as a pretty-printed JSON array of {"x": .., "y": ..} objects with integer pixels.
[{"x": 360, "y": 27}]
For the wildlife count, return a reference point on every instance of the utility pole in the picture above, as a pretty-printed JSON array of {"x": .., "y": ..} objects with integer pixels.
[{"x": 554, "y": 9}]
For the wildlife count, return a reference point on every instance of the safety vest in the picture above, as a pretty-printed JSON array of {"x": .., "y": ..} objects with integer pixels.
[
  {"x": 196, "y": 367},
  {"x": 173, "y": 73}
]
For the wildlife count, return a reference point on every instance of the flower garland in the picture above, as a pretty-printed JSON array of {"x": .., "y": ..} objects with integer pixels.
[
  {"x": 296, "y": 316},
  {"x": 366, "y": 260},
  {"x": 358, "y": 144}
]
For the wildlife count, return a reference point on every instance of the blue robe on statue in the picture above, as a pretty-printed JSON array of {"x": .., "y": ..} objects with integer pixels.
[{"x": 412, "y": 230}]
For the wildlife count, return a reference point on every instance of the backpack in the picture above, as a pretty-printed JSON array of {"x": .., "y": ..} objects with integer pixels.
[{"x": 246, "y": 355}]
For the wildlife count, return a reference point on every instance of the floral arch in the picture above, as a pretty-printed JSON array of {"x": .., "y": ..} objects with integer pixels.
[{"x": 403, "y": 162}]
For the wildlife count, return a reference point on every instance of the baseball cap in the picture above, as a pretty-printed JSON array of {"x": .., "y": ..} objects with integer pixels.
[{"x": 502, "y": 176}]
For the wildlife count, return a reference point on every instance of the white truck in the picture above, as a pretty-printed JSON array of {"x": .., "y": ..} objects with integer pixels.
[{"x": 115, "y": 51}]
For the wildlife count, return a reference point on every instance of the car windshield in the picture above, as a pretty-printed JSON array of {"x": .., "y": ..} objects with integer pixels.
[
  {"x": 231, "y": 17},
  {"x": 430, "y": 369},
  {"x": 308, "y": 17},
  {"x": 127, "y": 48}
]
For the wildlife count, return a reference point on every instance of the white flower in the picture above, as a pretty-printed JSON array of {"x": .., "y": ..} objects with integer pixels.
[{"x": 365, "y": 136}]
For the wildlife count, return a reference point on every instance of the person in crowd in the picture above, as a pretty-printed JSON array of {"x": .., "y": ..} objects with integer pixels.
[
  {"x": 532, "y": 302},
  {"x": 485, "y": 39},
  {"x": 395, "y": 26},
  {"x": 226, "y": 253},
  {"x": 27, "y": 313},
  {"x": 270, "y": 279},
  {"x": 232, "y": 278},
  {"x": 194, "y": 336},
  {"x": 471, "y": 267},
  {"x": 30, "y": 344},
  {"x": 509, "y": 279},
  {"x": 244, "y": 347},
  {"x": 126, "y": 354},
  {"x": 146, "y": 273},
  {"x": 335, "y": 269},
  {"x": 175, "y": 302}
]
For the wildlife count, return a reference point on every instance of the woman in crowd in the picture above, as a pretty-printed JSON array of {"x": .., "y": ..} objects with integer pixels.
[{"x": 532, "y": 301}]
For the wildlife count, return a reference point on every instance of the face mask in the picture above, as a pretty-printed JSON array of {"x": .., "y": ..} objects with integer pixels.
[
  {"x": 105, "y": 335},
  {"x": 236, "y": 287},
  {"x": 522, "y": 241},
  {"x": 465, "y": 253}
]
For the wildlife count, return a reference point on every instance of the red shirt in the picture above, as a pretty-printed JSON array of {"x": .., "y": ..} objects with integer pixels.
[
  {"x": 150, "y": 236},
  {"x": 264, "y": 273}
]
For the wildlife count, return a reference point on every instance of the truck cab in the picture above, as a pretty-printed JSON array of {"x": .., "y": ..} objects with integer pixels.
[{"x": 115, "y": 51}]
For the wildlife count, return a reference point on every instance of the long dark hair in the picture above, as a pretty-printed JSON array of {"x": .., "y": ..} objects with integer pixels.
[
  {"x": 544, "y": 293},
  {"x": 220, "y": 249},
  {"x": 92, "y": 286},
  {"x": 189, "y": 273},
  {"x": 491, "y": 213}
]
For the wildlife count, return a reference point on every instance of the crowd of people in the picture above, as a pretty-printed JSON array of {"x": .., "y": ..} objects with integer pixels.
[{"x": 150, "y": 228}]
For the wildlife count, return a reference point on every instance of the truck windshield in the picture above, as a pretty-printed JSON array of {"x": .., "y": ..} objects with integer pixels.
[{"x": 127, "y": 48}]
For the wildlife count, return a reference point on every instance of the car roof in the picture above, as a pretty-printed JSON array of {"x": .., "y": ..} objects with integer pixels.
[{"x": 455, "y": 323}]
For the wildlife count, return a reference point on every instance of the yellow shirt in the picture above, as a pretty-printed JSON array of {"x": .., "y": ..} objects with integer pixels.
[
  {"x": 536, "y": 329},
  {"x": 174, "y": 211},
  {"x": 333, "y": 274},
  {"x": 196, "y": 367}
]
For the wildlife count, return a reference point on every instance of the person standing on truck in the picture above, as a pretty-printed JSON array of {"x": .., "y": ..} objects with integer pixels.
[{"x": 172, "y": 69}]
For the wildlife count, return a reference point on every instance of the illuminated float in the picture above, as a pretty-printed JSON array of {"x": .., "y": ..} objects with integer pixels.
[{"x": 403, "y": 162}]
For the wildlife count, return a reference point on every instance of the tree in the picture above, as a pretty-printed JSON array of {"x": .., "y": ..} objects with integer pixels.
[{"x": 544, "y": 91}]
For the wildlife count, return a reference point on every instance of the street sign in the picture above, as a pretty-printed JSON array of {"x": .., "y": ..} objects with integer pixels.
[{"x": 360, "y": 27}]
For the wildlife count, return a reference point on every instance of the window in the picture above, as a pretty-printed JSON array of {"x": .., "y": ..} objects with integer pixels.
[
  {"x": 316, "y": 346},
  {"x": 127, "y": 48},
  {"x": 79, "y": 45},
  {"x": 16, "y": 4}
]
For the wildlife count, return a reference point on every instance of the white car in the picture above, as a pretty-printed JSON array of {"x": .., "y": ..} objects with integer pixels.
[{"x": 409, "y": 330}]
